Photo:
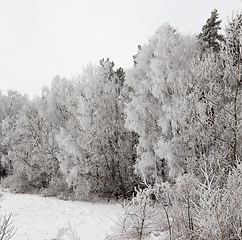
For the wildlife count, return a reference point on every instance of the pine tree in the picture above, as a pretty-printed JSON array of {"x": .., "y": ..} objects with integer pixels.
[{"x": 209, "y": 38}]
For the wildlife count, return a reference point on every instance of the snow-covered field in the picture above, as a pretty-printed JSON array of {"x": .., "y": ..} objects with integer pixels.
[{"x": 40, "y": 218}]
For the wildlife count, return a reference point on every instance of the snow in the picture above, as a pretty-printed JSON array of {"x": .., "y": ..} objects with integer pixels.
[{"x": 41, "y": 218}]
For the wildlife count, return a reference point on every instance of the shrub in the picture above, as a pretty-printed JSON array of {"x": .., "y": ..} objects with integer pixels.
[
  {"x": 220, "y": 212},
  {"x": 18, "y": 183},
  {"x": 189, "y": 209},
  {"x": 40, "y": 180},
  {"x": 57, "y": 187},
  {"x": 141, "y": 217},
  {"x": 69, "y": 232},
  {"x": 7, "y": 230},
  {"x": 83, "y": 190}
]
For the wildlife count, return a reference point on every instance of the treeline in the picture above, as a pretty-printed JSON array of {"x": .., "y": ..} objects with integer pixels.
[
  {"x": 107, "y": 132},
  {"x": 186, "y": 108},
  {"x": 72, "y": 139}
]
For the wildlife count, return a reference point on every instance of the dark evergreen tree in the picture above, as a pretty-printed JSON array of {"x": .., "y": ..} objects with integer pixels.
[{"x": 209, "y": 38}]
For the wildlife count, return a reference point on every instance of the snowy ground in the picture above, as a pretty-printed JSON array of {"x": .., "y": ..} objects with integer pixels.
[{"x": 40, "y": 218}]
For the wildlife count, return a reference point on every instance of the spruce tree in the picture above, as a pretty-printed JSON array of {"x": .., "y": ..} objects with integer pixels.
[{"x": 209, "y": 38}]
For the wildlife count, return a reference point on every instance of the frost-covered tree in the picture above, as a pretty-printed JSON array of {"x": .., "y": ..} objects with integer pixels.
[
  {"x": 61, "y": 105},
  {"x": 10, "y": 108},
  {"x": 100, "y": 151},
  {"x": 218, "y": 105},
  {"x": 158, "y": 111},
  {"x": 32, "y": 146},
  {"x": 60, "y": 101},
  {"x": 11, "y": 104},
  {"x": 233, "y": 32}
]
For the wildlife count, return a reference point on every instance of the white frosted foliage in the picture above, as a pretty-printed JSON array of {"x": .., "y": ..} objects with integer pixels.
[{"x": 157, "y": 112}]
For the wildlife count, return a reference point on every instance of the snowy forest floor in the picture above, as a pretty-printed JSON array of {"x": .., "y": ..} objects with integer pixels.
[{"x": 41, "y": 218}]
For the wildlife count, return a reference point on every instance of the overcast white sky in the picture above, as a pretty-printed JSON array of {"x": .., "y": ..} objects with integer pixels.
[{"x": 40, "y": 39}]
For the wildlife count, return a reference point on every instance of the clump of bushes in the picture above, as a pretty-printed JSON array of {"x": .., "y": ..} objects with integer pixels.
[
  {"x": 18, "y": 182},
  {"x": 188, "y": 209},
  {"x": 140, "y": 219},
  {"x": 57, "y": 187}
]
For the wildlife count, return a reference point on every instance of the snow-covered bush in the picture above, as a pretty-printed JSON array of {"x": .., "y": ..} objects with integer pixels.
[
  {"x": 219, "y": 213},
  {"x": 17, "y": 182},
  {"x": 141, "y": 217},
  {"x": 188, "y": 209},
  {"x": 57, "y": 187},
  {"x": 68, "y": 233},
  {"x": 204, "y": 210},
  {"x": 82, "y": 190}
]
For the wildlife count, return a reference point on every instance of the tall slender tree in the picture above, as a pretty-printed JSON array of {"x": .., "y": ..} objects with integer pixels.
[
  {"x": 210, "y": 39},
  {"x": 233, "y": 36},
  {"x": 160, "y": 83},
  {"x": 218, "y": 108}
]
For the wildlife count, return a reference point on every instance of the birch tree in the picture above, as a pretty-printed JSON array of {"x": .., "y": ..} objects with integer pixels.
[{"x": 160, "y": 81}]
